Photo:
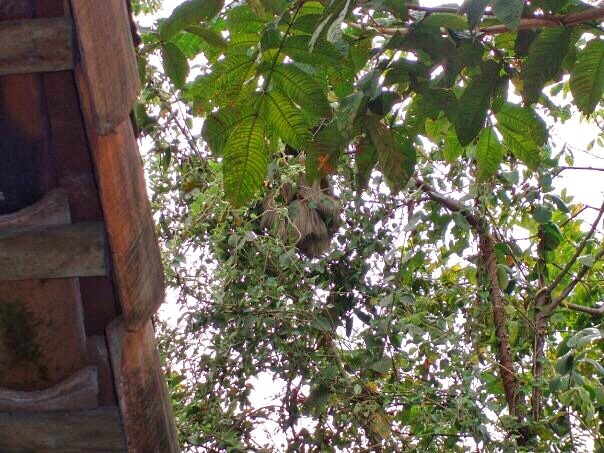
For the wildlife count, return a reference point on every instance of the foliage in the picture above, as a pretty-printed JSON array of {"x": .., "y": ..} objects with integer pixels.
[{"x": 458, "y": 306}]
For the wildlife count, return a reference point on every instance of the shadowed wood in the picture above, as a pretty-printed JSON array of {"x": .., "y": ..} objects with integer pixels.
[
  {"x": 107, "y": 60},
  {"x": 36, "y": 45},
  {"x": 50, "y": 210},
  {"x": 80, "y": 391},
  {"x": 97, "y": 430},
  {"x": 58, "y": 251},
  {"x": 141, "y": 389},
  {"x": 98, "y": 356}
]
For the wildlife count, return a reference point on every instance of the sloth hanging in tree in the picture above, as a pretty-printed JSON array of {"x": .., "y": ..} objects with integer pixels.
[{"x": 303, "y": 214}]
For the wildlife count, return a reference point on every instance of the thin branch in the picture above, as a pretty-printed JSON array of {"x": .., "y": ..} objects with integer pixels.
[
  {"x": 575, "y": 281},
  {"x": 578, "y": 251},
  {"x": 564, "y": 167},
  {"x": 589, "y": 310}
]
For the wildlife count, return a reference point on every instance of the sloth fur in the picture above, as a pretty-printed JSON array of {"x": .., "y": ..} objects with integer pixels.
[{"x": 312, "y": 219}]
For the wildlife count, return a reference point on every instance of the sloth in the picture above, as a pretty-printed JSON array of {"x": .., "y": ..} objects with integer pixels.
[{"x": 312, "y": 218}]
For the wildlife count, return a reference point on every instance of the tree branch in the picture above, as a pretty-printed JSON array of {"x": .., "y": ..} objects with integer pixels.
[
  {"x": 589, "y": 310},
  {"x": 578, "y": 251},
  {"x": 575, "y": 281}
]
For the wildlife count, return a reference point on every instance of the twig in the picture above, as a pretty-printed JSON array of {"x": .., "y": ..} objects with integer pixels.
[{"x": 589, "y": 310}]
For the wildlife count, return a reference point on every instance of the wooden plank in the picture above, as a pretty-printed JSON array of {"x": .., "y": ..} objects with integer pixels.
[
  {"x": 97, "y": 430},
  {"x": 142, "y": 390},
  {"x": 128, "y": 219},
  {"x": 42, "y": 340},
  {"x": 80, "y": 391},
  {"x": 61, "y": 251},
  {"x": 36, "y": 45},
  {"x": 107, "y": 60},
  {"x": 98, "y": 356},
  {"x": 53, "y": 209}
]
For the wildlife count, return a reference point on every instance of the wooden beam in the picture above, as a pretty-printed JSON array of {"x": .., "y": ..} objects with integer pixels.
[
  {"x": 53, "y": 209},
  {"x": 58, "y": 251},
  {"x": 142, "y": 390},
  {"x": 107, "y": 60},
  {"x": 65, "y": 432},
  {"x": 36, "y": 45},
  {"x": 80, "y": 391}
]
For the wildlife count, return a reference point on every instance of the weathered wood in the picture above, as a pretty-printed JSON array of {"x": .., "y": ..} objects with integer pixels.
[
  {"x": 36, "y": 45},
  {"x": 141, "y": 389},
  {"x": 97, "y": 430},
  {"x": 61, "y": 251},
  {"x": 80, "y": 391},
  {"x": 107, "y": 60},
  {"x": 128, "y": 218},
  {"x": 98, "y": 356},
  {"x": 42, "y": 340},
  {"x": 53, "y": 209}
]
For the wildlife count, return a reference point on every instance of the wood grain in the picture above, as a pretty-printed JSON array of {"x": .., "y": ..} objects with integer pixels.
[
  {"x": 97, "y": 430},
  {"x": 107, "y": 60},
  {"x": 53, "y": 209},
  {"x": 98, "y": 356},
  {"x": 36, "y": 45},
  {"x": 79, "y": 391},
  {"x": 128, "y": 219},
  {"x": 141, "y": 389},
  {"x": 58, "y": 251}
]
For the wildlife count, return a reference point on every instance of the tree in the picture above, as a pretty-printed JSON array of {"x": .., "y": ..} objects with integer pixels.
[{"x": 460, "y": 304}]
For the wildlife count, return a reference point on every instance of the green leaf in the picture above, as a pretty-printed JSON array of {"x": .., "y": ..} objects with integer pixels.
[
  {"x": 302, "y": 89},
  {"x": 542, "y": 214},
  {"x": 365, "y": 159},
  {"x": 210, "y": 36},
  {"x": 587, "y": 78},
  {"x": 226, "y": 78},
  {"x": 558, "y": 202},
  {"x": 587, "y": 260},
  {"x": 474, "y": 9},
  {"x": 452, "y": 149},
  {"x": 286, "y": 119},
  {"x": 551, "y": 237},
  {"x": 446, "y": 20},
  {"x": 323, "y": 153},
  {"x": 488, "y": 154},
  {"x": 382, "y": 366},
  {"x": 524, "y": 149},
  {"x": 218, "y": 126},
  {"x": 175, "y": 64},
  {"x": 565, "y": 363},
  {"x": 245, "y": 160},
  {"x": 396, "y": 154},
  {"x": 474, "y": 104},
  {"x": 508, "y": 12},
  {"x": 190, "y": 12},
  {"x": 544, "y": 61},
  {"x": 523, "y": 121},
  {"x": 323, "y": 53}
]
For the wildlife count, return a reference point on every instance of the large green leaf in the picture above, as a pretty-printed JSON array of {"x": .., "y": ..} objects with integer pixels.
[
  {"x": 302, "y": 89},
  {"x": 245, "y": 160},
  {"x": 509, "y": 12},
  {"x": 474, "y": 10},
  {"x": 226, "y": 79},
  {"x": 524, "y": 149},
  {"x": 286, "y": 119},
  {"x": 544, "y": 60},
  {"x": 218, "y": 126},
  {"x": 365, "y": 159},
  {"x": 474, "y": 104},
  {"x": 323, "y": 152},
  {"x": 396, "y": 154},
  {"x": 523, "y": 121},
  {"x": 175, "y": 64},
  {"x": 190, "y": 12},
  {"x": 210, "y": 36},
  {"x": 323, "y": 52},
  {"x": 452, "y": 149},
  {"x": 587, "y": 78},
  {"x": 488, "y": 154}
]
